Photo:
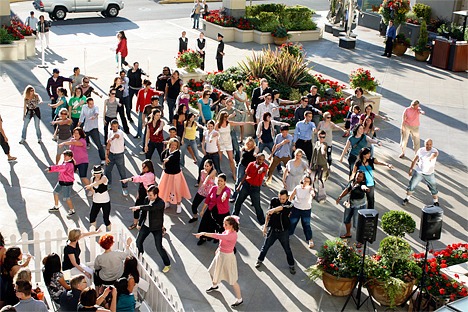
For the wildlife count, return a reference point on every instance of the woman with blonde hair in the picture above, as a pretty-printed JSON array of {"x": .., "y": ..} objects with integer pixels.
[
  {"x": 31, "y": 110},
  {"x": 71, "y": 255},
  {"x": 172, "y": 185}
]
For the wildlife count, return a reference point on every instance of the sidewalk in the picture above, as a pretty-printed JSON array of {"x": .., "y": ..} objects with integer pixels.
[{"x": 28, "y": 190}]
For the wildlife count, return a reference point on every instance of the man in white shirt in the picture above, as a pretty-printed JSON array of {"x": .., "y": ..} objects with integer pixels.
[
  {"x": 266, "y": 106},
  {"x": 115, "y": 155},
  {"x": 425, "y": 161}
]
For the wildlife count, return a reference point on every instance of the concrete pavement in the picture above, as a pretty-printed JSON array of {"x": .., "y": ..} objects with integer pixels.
[{"x": 28, "y": 190}]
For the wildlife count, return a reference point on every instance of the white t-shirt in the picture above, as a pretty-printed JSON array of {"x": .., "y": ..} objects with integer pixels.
[
  {"x": 303, "y": 198},
  {"x": 425, "y": 165},
  {"x": 211, "y": 147},
  {"x": 117, "y": 146}
]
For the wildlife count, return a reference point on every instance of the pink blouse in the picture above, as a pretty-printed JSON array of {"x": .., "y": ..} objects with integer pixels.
[
  {"x": 216, "y": 200},
  {"x": 227, "y": 241},
  {"x": 205, "y": 188},
  {"x": 147, "y": 179}
]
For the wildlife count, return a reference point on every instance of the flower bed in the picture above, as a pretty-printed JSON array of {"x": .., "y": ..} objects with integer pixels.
[{"x": 394, "y": 10}]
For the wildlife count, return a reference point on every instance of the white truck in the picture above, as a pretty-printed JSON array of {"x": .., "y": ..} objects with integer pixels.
[{"x": 58, "y": 9}]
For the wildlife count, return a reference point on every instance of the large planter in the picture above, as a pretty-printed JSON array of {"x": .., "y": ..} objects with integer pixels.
[
  {"x": 212, "y": 30},
  {"x": 21, "y": 49},
  {"x": 30, "y": 45},
  {"x": 262, "y": 37},
  {"x": 306, "y": 35},
  {"x": 372, "y": 96},
  {"x": 279, "y": 41},
  {"x": 369, "y": 19},
  {"x": 338, "y": 286},
  {"x": 197, "y": 75},
  {"x": 422, "y": 56},
  {"x": 399, "y": 49},
  {"x": 411, "y": 31},
  {"x": 377, "y": 291},
  {"x": 9, "y": 52},
  {"x": 241, "y": 35}
]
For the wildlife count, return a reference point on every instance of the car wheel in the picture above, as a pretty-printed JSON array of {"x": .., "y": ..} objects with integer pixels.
[
  {"x": 104, "y": 13},
  {"x": 112, "y": 11},
  {"x": 60, "y": 13}
]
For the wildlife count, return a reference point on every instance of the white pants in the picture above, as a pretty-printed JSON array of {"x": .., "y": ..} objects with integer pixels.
[
  {"x": 406, "y": 131},
  {"x": 45, "y": 35},
  {"x": 74, "y": 271}
]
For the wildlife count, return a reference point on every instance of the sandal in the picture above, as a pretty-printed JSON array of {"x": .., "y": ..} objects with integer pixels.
[
  {"x": 163, "y": 231},
  {"x": 345, "y": 236},
  {"x": 133, "y": 226}
]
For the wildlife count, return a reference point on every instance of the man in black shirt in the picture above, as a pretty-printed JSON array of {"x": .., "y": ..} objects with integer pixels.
[
  {"x": 304, "y": 107},
  {"x": 257, "y": 97},
  {"x": 277, "y": 223},
  {"x": 314, "y": 99},
  {"x": 134, "y": 82},
  {"x": 183, "y": 43},
  {"x": 151, "y": 221},
  {"x": 201, "y": 42},
  {"x": 53, "y": 83},
  {"x": 220, "y": 53}
]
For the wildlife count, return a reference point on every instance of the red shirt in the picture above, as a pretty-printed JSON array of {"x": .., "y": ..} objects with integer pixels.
[
  {"x": 122, "y": 48},
  {"x": 157, "y": 138},
  {"x": 252, "y": 175},
  {"x": 144, "y": 99}
]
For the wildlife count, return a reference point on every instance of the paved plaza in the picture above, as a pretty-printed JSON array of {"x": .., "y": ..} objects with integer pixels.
[{"x": 26, "y": 191}]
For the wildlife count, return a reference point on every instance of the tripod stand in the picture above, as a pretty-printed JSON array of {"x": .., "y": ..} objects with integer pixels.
[
  {"x": 422, "y": 284},
  {"x": 357, "y": 300}
]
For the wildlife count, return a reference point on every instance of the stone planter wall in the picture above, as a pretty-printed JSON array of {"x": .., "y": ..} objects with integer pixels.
[
  {"x": 306, "y": 35},
  {"x": 9, "y": 52},
  {"x": 411, "y": 31},
  {"x": 262, "y": 37},
  {"x": 198, "y": 75},
  {"x": 243, "y": 35},
  {"x": 21, "y": 49},
  {"x": 211, "y": 31},
  {"x": 370, "y": 20},
  {"x": 372, "y": 96},
  {"x": 30, "y": 45}
]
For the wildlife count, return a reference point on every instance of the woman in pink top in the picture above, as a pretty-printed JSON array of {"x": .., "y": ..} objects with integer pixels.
[
  {"x": 207, "y": 178},
  {"x": 66, "y": 178},
  {"x": 80, "y": 153},
  {"x": 146, "y": 178},
  {"x": 410, "y": 125},
  {"x": 217, "y": 202},
  {"x": 224, "y": 264}
]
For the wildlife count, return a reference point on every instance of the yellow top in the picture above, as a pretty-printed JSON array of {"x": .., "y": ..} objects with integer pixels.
[{"x": 190, "y": 132}]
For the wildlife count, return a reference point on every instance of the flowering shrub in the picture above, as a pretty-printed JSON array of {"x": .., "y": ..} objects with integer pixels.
[
  {"x": 336, "y": 258},
  {"x": 394, "y": 10},
  {"x": 21, "y": 28},
  {"x": 216, "y": 17},
  {"x": 362, "y": 78},
  {"x": 337, "y": 109},
  {"x": 294, "y": 49},
  {"x": 195, "y": 85},
  {"x": 325, "y": 84},
  {"x": 189, "y": 60},
  {"x": 244, "y": 24},
  {"x": 439, "y": 285}
]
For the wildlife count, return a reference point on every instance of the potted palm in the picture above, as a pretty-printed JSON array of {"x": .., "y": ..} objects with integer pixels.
[
  {"x": 400, "y": 45},
  {"x": 280, "y": 35},
  {"x": 393, "y": 271},
  {"x": 422, "y": 50},
  {"x": 337, "y": 266}
]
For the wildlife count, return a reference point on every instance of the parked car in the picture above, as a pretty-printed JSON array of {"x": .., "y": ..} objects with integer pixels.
[{"x": 58, "y": 9}]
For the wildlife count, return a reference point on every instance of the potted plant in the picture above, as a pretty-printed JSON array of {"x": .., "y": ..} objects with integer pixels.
[
  {"x": 188, "y": 60},
  {"x": 400, "y": 45},
  {"x": 337, "y": 266},
  {"x": 280, "y": 35},
  {"x": 8, "y": 49},
  {"x": 363, "y": 78},
  {"x": 394, "y": 10},
  {"x": 422, "y": 50},
  {"x": 393, "y": 271}
]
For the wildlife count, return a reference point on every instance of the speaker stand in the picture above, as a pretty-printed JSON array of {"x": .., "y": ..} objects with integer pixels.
[
  {"x": 357, "y": 299},
  {"x": 422, "y": 284}
]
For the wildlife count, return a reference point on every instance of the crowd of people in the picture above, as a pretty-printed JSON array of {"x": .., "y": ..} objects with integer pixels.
[{"x": 303, "y": 161}]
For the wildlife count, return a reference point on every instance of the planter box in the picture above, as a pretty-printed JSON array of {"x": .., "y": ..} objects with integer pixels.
[
  {"x": 9, "y": 52},
  {"x": 30, "y": 45},
  {"x": 370, "y": 20},
  {"x": 263, "y": 37},
  {"x": 243, "y": 35},
  {"x": 411, "y": 31},
  {"x": 373, "y": 96},
  {"x": 21, "y": 49},
  {"x": 198, "y": 75},
  {"x": 211, "y": 31},
  {"x": 306, "y": 35}
]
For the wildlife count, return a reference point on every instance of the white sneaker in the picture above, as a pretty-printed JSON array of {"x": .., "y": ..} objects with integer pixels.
[
  {"x": 142, "y": 153},
  {"x": 167, "y": 205},
  {"x": 125, "y": 192},
  {"x": 22, "y": 141},
  {"x": 179, "y": 209}
]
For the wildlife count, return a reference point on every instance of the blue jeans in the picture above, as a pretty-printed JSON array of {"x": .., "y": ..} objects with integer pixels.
[
  {"x": 183, "y": 151},
  {"x": 196, "y": 20},
  {"x": 352, "y": 213},
  {"x": 140, "y": 124},
  {"x": 37, "y": 121},
  {"x": 272, "y": 236},
  {"x": 429, "y": 179},
  {"x": 143, "y": 234},
  {"x": 235, "y": 145},
  {"x": 119, "y": 161},
  {"x": 240, "y": 175},
  {"x": 254, "y": 192},
  {"x": 304, "y": 216},
  {"x": 262, "y": 146},
  {"x": 94, "y": 135},
  {"x": 171, "y": 103}
]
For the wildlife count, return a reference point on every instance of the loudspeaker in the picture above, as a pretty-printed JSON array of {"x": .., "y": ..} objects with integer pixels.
[
  {"x": 367, "y": 225},
  {"x": 431, "y": 223}
]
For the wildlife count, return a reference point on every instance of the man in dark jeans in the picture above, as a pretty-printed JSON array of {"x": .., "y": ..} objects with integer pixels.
[
  {"x": 53, "y": 83},
  {"x": 151, "y": 221},
  {"x": 257, "y": 97},
  {"x": 89, "y": 119},
  {"x": 277, "y": 228},
  {"x": 115, "y": 155},
  {"x": 134, "y": 85},
  {"x": 250, "y": 185}
]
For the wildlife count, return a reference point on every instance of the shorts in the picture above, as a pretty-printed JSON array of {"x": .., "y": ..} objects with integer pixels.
[
  {"x": 64, "y": 190},
  {"x": 225, "y": 146},
  {"x": 82, "y": 170},
  {"x": 352, "y": 213}
]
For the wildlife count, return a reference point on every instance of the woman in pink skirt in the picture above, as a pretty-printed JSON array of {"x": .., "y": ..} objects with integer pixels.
[
  {"x": 224, "y": 264},
  {"x": 172, "y": 186}
]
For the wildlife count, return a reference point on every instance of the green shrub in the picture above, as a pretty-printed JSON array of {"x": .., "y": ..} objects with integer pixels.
[
  {"x": 397, "y": 223},
  {"x": 265, "y": 21},
  {"x": 5, "y": 37},
  {"x": 265, "y": 17},
  {"x": 423, "y": 11},
  {"x": 254, "y": 10},
  {"x": 422, "y": 45}
]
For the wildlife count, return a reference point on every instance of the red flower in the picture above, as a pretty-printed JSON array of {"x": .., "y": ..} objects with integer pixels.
[{"x": 442, "y": 291}]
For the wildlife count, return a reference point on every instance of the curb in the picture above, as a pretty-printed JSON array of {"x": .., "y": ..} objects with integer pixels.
[{"x": 170, "y": 1}]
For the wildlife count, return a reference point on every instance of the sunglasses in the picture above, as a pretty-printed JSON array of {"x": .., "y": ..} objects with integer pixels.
[
  {"x": 113, "y": 93},
  {"x": 322, "y": 137},
  {"x": 63, "y": 114},
  {"x": 328, "y": 118},
  {"x": 85, "y": 81}
]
